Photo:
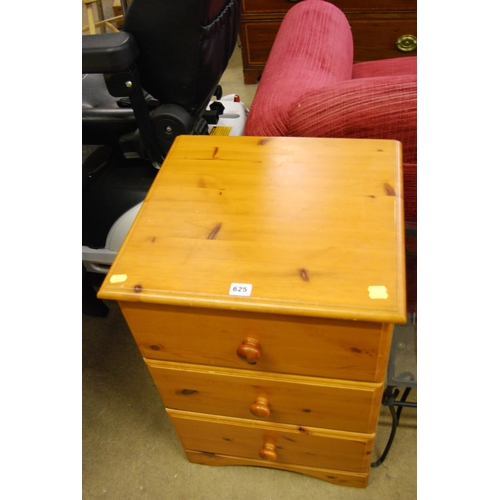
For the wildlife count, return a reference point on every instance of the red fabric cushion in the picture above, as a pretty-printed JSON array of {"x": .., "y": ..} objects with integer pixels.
[
  {"x": 368, "y": 108},
  {"x": 386, "y": 67},
  {"x": 313, "y": 49}
]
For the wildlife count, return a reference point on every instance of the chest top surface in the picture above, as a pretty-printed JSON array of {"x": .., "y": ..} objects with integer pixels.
[{"x": 301, "y": 226}]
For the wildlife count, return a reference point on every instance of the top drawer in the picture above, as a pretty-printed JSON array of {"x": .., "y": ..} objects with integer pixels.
[
  {"x": 282, "y": 6},
  {"x": 349, "y": 350}
]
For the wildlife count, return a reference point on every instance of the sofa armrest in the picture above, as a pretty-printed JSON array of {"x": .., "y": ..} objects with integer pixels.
[
  {"x": 313, "y": 49},
  {"x": 367, "y": 108}
]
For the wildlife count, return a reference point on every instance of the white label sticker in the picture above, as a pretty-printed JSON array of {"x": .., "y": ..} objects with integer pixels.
[
  {"x": 377, "y": 292},
  {"x": 118, "y": 278},
  {"x": 242, "y": 289}
]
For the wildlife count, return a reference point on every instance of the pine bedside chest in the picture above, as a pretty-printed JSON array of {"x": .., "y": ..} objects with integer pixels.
[{"x": 261, "y": 281}]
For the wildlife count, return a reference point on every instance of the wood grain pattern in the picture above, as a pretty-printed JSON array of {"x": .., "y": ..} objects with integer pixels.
[
  {"x": 375, "y": 36},
  {"x": 289, "y": 374},
  {"x": 294, "y": 444},
  {"x": 311, "y": 401},
  {"x": 282, "y": 207},
  {"x": 341, "y": 478},
  {"x": 349, "y": 350}
]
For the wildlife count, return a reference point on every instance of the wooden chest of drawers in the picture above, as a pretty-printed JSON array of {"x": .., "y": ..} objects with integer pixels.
[
  {"x": 261, "y": 281},
  {"x": 376, "y": 28}
]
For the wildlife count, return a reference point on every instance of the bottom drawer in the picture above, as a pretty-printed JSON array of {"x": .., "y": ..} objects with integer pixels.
[
  {"x": 273, "y": 443},
  {"x": 341, "y": 478}
]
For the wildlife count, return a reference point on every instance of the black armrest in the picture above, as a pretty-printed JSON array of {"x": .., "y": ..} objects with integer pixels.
[
  {"x": 108, "y": 53},
  {"x": 114, "y": 55}
]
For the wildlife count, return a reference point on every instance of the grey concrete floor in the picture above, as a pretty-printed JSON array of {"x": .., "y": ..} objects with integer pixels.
[{"x": 130, "y": 449}]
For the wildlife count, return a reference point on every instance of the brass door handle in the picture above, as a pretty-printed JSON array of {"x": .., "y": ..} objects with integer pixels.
[{"x": 406, "y": 43}]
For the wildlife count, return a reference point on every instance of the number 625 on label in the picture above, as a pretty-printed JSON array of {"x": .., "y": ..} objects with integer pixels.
[{"x": 241, "y": 289}]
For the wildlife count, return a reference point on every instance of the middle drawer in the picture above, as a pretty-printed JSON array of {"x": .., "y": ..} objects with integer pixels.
[{"x": 309, "y": 401}]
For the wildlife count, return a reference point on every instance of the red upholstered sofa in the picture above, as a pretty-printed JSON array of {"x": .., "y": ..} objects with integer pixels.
[{"x": 311, "y": 88}]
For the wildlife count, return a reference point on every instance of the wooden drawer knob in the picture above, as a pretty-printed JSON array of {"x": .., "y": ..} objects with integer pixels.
[
  {"x": 249, "y": 351},
  {"x": 260, "y": 408},
  {"x": 268, "y": 452}
]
